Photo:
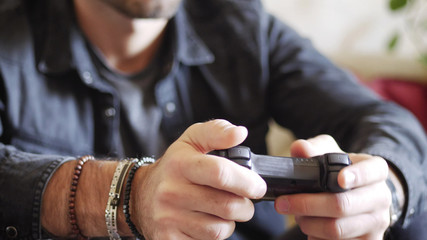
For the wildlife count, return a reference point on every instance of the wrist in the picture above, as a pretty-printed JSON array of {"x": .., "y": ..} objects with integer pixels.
[
  {"x": 139, "y": 197},
  {"x": 398, "y": 197},
  {"x": 96, "y": 188},
  {"x": 54, "y": 211},
  {"x": 93, "y": 194}
]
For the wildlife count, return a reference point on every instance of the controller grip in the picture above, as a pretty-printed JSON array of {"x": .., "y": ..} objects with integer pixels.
[{"x": 288, "y": 175}]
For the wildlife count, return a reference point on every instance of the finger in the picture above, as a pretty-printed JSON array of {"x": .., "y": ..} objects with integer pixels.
[
  {"x": 314, "y": 238},
  {"x": 223, "y": 174},
  {"x": 204, "y": 227},
  {"x": 353, "y": 202},
  {"x": 214, "y": 134},
  {"x": 314, "y": 146},
  {"x": 208, "y": 200},
  {"x": 168, "y": 232},
  {"x": 365, "y": 170},
  {"x": 352, "y": 227}
]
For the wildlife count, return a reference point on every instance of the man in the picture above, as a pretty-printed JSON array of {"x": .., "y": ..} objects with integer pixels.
[{"x": 121, "y": 79}]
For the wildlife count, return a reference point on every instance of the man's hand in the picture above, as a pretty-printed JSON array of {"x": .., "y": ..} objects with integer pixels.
[
  {"x": 360, "y": 213},
  {"x": 188, "y": 194}
]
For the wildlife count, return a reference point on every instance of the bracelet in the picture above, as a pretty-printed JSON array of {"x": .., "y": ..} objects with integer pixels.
[
  {"x": 114, "y": 198},
  {"x": 72, "y": 198},
  {"x": 395, "y": 210},
  {"x": 126, "y": 209}
]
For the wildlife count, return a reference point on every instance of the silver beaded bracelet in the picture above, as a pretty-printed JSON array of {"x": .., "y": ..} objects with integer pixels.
[{"x": 114, "y": 198}]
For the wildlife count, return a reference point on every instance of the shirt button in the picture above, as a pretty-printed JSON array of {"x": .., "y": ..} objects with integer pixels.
[
  {"x": 411, "y": 211},
  {"x": 110, "y": 112},
  {"x": 170, "y": 108},
  {"x": 11, "y": 232},
  {"x": 87, "y": 77}
]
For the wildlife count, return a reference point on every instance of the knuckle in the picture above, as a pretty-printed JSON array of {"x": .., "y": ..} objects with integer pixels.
[
  {"x": 382, "y": 167},
  {"x": 165, "y": 193},
  {"x": 174, "y": 161},
  {"x": 386, "y": 220},
  {"x": 334, "y": 230},
  {"x": 221, "y": 231},
  {"x": 252, "y": 193},
  {"x": 214, "y": 232},
  {"x": 229, "y": 208},
  {"x": 381, "y": 220},
  {"x": 342, "y": 204},
  {"x": 163, "y": 222},
  {"x": 238, "y": 209},
  {"x": 219, "y": 123},
  {"x": 327, "y": 137},
  {"x": 222, "y": 176}
]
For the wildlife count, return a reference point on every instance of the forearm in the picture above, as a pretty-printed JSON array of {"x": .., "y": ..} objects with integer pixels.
[{"x": 90, "y": 202}]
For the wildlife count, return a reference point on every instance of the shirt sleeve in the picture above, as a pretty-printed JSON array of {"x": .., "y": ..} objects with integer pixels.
[
  {"x": 23, "y": 180},
  {"x": 310, "y": 96}
]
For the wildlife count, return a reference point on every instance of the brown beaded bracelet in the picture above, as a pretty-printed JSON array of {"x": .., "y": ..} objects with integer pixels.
[{"x": 72, "y": 200}]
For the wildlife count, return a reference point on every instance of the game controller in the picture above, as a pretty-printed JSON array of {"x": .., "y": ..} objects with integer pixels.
[{"x": 289, "y": 175}]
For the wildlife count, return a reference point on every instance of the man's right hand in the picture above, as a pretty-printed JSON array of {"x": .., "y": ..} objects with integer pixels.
[{"x": 188, "y": 194}]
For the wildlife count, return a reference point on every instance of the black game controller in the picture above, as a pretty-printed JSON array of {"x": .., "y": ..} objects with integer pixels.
[{"x": 287, "y": 175}]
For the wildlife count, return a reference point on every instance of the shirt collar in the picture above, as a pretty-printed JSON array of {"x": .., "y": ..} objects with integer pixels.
[
  {"x": 52, "y": 40},
  {"x": 190, "y": 48}
]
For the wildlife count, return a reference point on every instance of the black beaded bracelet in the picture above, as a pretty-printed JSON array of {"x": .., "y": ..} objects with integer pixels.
[{"x": 126, "y": 210}]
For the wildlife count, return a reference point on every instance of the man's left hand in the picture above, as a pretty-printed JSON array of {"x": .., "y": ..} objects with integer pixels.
[{"x": 360, "y": 213}]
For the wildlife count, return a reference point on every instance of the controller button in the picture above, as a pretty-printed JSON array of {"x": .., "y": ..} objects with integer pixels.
[
  {"x": 239, "y": 152},
  {"x": 332, "y": 183},
  {"x": 244, "y": 163},
  {"x": 338, "y": 158},
  {"x": 305, "y": 162}
]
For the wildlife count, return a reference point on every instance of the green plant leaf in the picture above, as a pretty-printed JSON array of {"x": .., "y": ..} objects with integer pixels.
[
  {"x": 397, "y": 4},
  {"x": 392, "y": 43},
  {"x": 423, "y": 59}
]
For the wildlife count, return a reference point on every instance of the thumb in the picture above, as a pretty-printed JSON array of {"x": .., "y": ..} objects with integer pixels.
[
  {"x": 314, "y": 146},
  {"x": 214, "y": 134}
]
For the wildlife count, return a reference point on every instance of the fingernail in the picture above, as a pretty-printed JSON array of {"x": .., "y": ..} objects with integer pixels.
[
  {"x": 349, "y": 179},
  {"x": 283, "y": 205}
]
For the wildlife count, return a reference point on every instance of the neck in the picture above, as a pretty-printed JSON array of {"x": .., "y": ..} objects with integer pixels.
[{"x": 128, "y": 45}]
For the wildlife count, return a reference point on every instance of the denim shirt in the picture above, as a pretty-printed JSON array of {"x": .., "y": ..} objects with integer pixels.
[{"x": 232, "y": 60}]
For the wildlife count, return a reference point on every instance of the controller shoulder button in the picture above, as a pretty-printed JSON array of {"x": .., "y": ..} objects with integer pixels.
[
  {"x": 239, "y": 152},
  {"x": 332, "y": 182},
  {"x": 338, "y": 159},
  {"x": 244, "y": 163}
]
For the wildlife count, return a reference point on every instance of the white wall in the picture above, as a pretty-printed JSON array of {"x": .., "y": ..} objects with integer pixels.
[{"x": 354, "y": 33}]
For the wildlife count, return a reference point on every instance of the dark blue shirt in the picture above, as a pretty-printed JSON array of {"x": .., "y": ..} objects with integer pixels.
[{"x": 231, "y": 60}]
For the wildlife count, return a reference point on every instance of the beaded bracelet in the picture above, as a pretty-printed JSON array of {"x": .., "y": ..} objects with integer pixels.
[
  {"x": 72, "y": 198},
  {"x": 142, "y": 162}
]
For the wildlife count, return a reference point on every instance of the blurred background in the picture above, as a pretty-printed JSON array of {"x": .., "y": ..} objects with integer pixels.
[
  {"x": 383, "y": 42},
  {"x": 356, "y": 34}
]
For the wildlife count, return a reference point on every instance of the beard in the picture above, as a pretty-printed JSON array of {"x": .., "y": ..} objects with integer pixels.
[{"x": 145, "y": 8}]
